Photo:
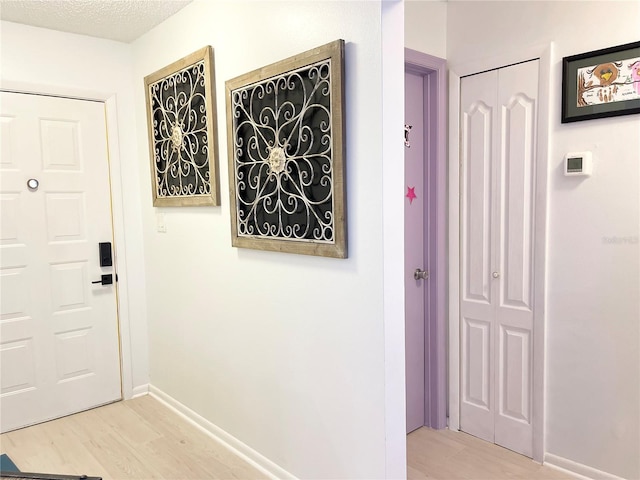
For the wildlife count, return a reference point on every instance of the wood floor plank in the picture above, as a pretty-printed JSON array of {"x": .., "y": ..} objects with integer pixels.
[
  {"x": 440, "y": 448},
  {"x": 197, "y": 443},
  {"x": 143, "y": 439},
  {"x": 120, "y": 460},
  {"x": 49, "y": 445},
  {"x": 134, "y": 439},
  {"x": 449, "y": 455},
  {"x": 139, "y": 430}
]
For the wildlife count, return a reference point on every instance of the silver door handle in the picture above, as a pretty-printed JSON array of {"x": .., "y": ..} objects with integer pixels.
[
  {"x": 495, "y": 274},
  {"x": 420, "y": 274}
]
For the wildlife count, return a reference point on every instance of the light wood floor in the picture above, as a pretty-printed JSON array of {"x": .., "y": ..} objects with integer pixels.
[
  {"x": 135, "y": 439},
  {"x": 142, "y": 439},
  {"x": 448, "y": 455}
]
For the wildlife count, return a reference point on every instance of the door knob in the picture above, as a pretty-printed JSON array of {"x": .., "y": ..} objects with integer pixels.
[
  {"x": 105, "y": 280},
  {"x": 495, "y": 274},
  {"x": 420, "y": 274}
]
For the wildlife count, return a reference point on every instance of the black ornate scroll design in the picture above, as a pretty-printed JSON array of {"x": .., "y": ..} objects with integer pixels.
[
  {"x": 181, "y": 143},
  {"x": 283, "y": 169}
]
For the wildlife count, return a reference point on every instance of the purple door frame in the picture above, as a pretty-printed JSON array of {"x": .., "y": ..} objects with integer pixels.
[{"x": 433, "y": 69}]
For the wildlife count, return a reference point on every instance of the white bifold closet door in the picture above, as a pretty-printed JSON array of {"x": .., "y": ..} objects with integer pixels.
[{"x": 498, "y": 117}]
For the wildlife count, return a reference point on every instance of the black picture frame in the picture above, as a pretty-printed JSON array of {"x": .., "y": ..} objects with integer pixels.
[{"x": 595, "y": 84}]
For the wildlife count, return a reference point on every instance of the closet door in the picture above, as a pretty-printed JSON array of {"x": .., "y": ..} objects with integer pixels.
[
  {"x": 478, "y": 229},
  {"x": 498, "y": 131},
  {"x": 517, "y": 97}
]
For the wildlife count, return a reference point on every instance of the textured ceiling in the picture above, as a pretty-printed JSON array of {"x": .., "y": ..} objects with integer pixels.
[{"x": 121, "y": 20}]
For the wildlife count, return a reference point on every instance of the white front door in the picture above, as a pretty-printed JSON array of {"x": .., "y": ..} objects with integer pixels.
[
  {"x": 498, "y": 131},
  {"x": 59, "y": 345}
]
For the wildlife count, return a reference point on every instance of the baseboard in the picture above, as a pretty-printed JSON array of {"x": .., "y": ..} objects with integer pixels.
[
  {"x": 227, "y": 440},
  {"x": 577, "y": 469},
  {"x": 140, "y": 390}
]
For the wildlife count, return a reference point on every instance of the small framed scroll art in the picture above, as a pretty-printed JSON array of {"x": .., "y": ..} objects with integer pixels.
[
  {"x": 286, "y": 155},
  {"x": 182, "y": 132},
  {"x": 602, "y": 83}
]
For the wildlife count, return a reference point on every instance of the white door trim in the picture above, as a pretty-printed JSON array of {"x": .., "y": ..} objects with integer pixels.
[
  {"x": 545, "y": 54},
  {"x": 117, "y": 208}
]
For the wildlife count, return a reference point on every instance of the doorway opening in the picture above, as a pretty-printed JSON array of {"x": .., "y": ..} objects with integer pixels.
[
  {"x": 425, "y": 240},
  {"x": 130, "y": 268}
]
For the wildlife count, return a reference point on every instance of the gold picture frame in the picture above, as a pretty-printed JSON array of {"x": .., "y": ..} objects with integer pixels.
[
  {"x": 286, "y": 151},
  {"x": 183, "y": 143}
]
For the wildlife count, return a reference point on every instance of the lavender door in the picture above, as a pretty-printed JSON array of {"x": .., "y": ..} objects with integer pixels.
[
  {"x": 425, "y": 240},
  {"x": 414, "y": 212}
]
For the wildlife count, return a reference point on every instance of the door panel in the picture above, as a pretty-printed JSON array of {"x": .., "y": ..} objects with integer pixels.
[
  {"x": 498, "y": 131},
  {"x": 517, "y": 207},
  {"x": 59, "y": 347},
  {"x": 414, "y": 253},
  {"x": 477, "y": 134},
  {"x": 515, "y": 368},
  {"x": 477, "y": 382},
  {"x": 477, "y": 306},
  {"x": 60, "y": 147},
  {"x": 518, "y": 93}
]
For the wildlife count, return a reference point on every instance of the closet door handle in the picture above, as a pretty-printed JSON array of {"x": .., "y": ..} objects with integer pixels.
[{"x": 495, "y": 275}]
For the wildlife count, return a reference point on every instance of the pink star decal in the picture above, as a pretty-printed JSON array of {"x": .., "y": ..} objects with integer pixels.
[{"x": 411, "y": 194}]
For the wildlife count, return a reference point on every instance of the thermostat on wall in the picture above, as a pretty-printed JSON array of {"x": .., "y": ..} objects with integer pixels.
[{"x": 577, "y": 164}]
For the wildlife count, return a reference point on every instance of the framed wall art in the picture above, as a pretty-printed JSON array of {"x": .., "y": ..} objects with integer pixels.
[
  {"x": 286, "y": 146},
  {"x": 183, "y": 142},
  {"x": 602, "y": 83}
]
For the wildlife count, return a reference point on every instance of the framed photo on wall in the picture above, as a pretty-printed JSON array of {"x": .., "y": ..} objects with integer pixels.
[
  {"x": 286, "y": 149},
  {"x": 182, "y": 129},
  {"x": 602, "y": 83}
]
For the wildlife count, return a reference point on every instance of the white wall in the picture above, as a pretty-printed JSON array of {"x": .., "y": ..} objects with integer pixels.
[
  {"x": 47, "y": 61},
  {"x": 593, "y": 308},
  {"x": 284, "y": 352},
  {"x": 393, "y": 236},
  {"x": 426, "y": 26}
]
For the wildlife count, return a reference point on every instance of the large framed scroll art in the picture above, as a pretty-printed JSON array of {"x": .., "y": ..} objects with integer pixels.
[
  {"x": 286, "y": 155},
  {"x": 182, "y": 132}
]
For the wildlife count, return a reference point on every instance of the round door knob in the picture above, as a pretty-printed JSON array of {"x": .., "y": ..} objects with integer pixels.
[
  {"x": 495, "y": 274},
  {"x": 32, "y": 184},
  {"x": 420, "y": 274}
]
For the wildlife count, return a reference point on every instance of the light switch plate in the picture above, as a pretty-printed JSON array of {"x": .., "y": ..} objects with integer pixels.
[{"x": 160, "y": 225}]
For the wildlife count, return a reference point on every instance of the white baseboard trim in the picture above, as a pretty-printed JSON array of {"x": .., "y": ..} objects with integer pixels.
[
  {"x": 227, "y": 440},
  {"x": 577, "y": 469},
  {"x": 140, "y": 390}
]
